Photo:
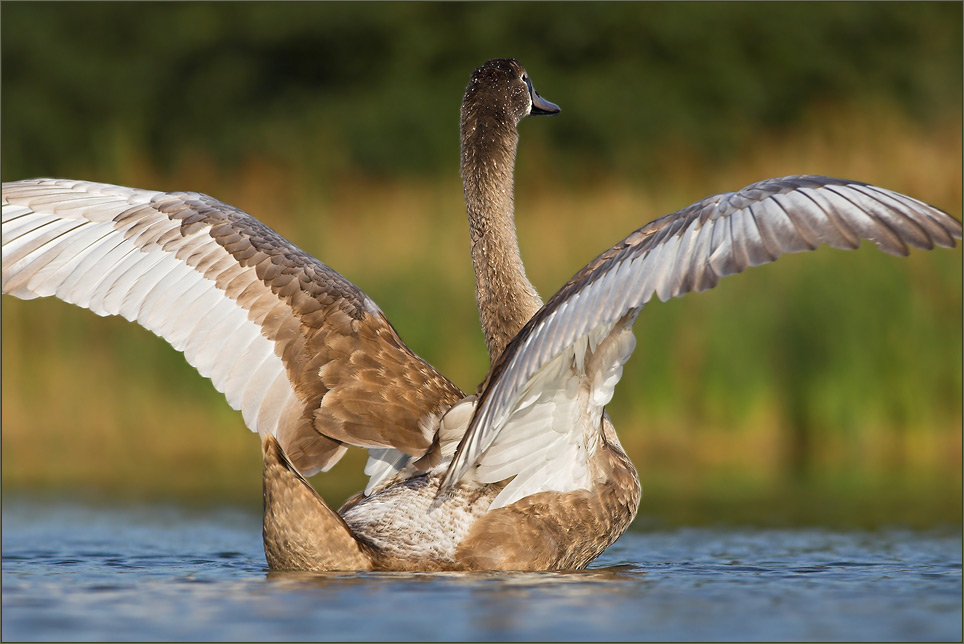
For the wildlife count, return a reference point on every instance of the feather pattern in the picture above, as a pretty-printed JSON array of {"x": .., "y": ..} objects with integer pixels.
[
  {"x": 284, "y": 337},
  {"x": 686, "y": 251}
]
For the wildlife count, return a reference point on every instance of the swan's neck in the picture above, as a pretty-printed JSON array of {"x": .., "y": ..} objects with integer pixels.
[{"x": 505, "y": 296}]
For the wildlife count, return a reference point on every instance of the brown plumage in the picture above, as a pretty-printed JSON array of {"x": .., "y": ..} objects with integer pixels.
[
  {"x": 319, "y": 539},
  {"x": 528, "y": 474},
  {"x": 494, "y": 103},
  {"x": 337, "y": 347}
]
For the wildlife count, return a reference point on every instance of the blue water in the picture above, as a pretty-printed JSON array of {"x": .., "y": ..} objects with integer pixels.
[{"x": 77, "y": 572}]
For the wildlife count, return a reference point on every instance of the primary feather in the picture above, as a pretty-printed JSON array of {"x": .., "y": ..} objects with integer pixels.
[{"x": 689, "y": 250}]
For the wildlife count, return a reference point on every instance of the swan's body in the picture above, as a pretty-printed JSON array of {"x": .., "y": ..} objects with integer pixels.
[{"x": 527, "y": 475}]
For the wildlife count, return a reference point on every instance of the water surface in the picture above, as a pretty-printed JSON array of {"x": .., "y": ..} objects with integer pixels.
[{"x": 77, "y": 572}]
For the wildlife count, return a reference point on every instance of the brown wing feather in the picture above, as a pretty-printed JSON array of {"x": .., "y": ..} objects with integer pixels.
[
  {"x": 360, "y": 383},
  {"x": 354, "y": 380}
]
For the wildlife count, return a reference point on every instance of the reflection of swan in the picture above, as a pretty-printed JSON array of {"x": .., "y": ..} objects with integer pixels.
[{"x": 528, "y": 475}]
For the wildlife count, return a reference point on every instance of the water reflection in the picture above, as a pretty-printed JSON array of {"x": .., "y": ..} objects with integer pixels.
[
  {"x": 87, "y": 573},
  {"x": 497, "y": 605},
  {"x": 604, "y": 574}
]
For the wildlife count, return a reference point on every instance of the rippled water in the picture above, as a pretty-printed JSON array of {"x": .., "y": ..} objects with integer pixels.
[{"x": 75, "y": 572}]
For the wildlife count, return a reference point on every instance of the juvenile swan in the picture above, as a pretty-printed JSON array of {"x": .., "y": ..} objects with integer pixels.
[{"x": 529, "y": 474}]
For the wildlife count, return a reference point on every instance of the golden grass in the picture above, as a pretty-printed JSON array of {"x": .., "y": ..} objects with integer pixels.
[{"x": 100, "y": 406}]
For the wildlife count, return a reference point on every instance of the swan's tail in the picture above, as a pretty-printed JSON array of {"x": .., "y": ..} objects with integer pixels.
[{"x": 301, "y": 531}]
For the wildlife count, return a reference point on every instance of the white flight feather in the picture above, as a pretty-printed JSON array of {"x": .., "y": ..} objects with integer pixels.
[{"x": 64, "y": 243}]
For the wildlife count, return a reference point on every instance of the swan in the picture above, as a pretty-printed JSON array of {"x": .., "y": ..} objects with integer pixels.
[{"x": 526, "y": 474}]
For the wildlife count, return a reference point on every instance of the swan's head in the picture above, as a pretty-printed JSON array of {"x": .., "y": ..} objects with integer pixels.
[{"x": 501, "y": 90}]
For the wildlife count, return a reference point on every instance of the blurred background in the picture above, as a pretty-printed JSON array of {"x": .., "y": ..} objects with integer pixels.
[{"x": 822, "y": 390}]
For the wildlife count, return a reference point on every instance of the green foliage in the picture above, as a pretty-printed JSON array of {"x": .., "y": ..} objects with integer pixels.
[{"x": 358, "y": 86}]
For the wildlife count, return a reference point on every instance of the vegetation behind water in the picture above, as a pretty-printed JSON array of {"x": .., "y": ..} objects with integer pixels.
[{"x": 824, "y": 388}]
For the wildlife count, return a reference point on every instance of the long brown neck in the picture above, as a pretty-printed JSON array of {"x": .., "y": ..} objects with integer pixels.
[{"x": 505, "y": 296}]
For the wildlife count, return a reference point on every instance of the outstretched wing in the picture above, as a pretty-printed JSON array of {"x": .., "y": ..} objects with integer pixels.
[
  {"x": 302, "y": 352},
  {"x": 580, "y": 339}
]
